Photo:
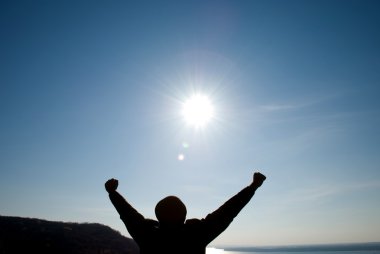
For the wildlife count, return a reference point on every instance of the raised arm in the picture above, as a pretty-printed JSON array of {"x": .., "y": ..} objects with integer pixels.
[
  {"x": 217, "y": 221},
  {"x": 132, "y": 219}
]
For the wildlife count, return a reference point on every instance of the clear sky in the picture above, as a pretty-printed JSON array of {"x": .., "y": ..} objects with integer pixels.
[{"x": 91, "y": 90}]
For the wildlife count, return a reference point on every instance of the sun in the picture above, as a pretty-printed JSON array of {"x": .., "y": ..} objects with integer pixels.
[{"x": 198, "y": 110}]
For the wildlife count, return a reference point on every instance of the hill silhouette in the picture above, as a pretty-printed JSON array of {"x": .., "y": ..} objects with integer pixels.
[{"x": 30, "y": 235}]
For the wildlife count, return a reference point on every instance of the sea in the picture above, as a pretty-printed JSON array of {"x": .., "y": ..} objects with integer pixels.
[
  {"x": 361, "y": 248},
  {"x": 305, "y": 252}
]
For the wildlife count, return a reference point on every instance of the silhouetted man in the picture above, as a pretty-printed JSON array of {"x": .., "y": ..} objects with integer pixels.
[{"x": 172, "y": 233}]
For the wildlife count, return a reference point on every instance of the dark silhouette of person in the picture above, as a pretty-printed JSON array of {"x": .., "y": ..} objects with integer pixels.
[{"x": 172, "y": 233}]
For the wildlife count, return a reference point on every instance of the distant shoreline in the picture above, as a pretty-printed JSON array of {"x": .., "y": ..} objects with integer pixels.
[{"x": 369, "y": 246}]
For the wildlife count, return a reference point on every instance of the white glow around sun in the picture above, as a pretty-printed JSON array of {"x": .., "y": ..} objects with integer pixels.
[{"x": 198, "y": 110}]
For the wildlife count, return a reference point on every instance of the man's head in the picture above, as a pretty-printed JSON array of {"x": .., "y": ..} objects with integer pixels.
[{"x": 171, "y": 211}]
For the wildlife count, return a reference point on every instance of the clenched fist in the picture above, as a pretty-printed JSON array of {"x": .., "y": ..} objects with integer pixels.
[
  {"x": 258, "y": 179},
  {"x": 111, "y": 185}
]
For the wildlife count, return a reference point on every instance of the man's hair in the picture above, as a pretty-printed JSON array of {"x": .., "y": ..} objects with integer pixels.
[{"x": 170, "y": 210}]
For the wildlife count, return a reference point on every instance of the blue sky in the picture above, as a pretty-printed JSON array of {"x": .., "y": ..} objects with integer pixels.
[{"x": 91, "y": 90}]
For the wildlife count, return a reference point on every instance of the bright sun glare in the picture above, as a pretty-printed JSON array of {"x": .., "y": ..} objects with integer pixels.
[
  {"x": 211, "y": 250},
  {"x": 198, "y": 110}
]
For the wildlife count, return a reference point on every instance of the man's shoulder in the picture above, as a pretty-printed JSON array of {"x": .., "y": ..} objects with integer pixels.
[{"x": 151, "y": 222}]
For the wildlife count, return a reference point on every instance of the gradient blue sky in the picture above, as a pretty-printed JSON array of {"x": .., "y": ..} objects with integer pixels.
[{"x": 91, "y": 90}]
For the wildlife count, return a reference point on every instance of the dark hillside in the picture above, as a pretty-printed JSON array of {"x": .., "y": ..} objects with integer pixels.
[{"x": 29, "y": 235}]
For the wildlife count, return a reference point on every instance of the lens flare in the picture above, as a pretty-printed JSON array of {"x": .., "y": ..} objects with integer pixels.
[{"x": 181, "y": 157}]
